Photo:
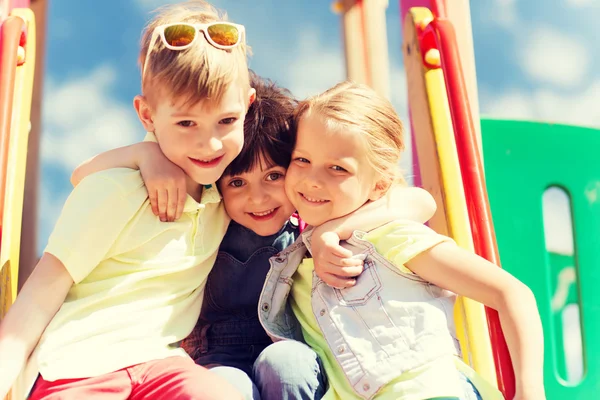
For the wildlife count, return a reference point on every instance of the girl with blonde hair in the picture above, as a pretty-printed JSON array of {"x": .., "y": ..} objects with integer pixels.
[{"x": 389, "y": 335}]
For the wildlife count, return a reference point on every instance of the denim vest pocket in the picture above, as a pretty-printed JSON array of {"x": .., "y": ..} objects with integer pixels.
[
  {"x": 363, "y": 306},
  {"x": 367, "y": 285}
]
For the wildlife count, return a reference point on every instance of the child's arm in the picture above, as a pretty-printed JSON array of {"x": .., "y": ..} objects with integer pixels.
[
  {"x": 462, "y": 272},
  {"x": 41, "y": 297},
  {"x": 166, "y": 182},
  {"x": 122, "y": 157},
  {"x": 333, "y": 263}
]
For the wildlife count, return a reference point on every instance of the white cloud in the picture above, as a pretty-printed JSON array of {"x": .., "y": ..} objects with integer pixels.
[
  {"x": 316, "y": 67},
  {"x": 513, "y": 104},
  {"x": 576, "y": 108},
  {"x": 82, "y": 118},
  {"x": 550, "y": 56},
  {"x": 580, "y": 3},
  {"x": 504, "y": 13}
]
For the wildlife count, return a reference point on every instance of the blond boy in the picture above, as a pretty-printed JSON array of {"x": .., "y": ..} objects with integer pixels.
[{"x": 116, "y": 288}]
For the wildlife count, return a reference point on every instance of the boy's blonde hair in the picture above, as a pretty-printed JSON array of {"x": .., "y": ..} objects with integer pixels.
[
  {"x": 199, "y": 72},
  {"x": 357, "y": 108}
]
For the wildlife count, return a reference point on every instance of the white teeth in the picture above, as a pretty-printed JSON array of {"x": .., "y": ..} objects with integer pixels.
[
  {"x": 262, "y": 214},
  {"x": 205, "y": 161},
  {"x": 312, "y": 200}
]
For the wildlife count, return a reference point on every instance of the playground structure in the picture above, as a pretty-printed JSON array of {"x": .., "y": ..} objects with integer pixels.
[{"x": 451, "y": 145}]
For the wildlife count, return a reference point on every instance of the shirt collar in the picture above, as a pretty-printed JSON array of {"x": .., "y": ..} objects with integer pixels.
[
  {"x": 150, "y": 137},
  {"x": 210, "y": 195}
]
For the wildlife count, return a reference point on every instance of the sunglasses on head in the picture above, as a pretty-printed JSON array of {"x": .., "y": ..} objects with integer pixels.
[{"x": 181, "y": 35}]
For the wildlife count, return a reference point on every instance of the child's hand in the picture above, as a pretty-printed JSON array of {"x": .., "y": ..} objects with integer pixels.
[
  {"x": 166, "y": 184},
  {"x": 333, "y": 263}
]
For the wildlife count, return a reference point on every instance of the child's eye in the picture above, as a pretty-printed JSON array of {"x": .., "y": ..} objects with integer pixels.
[
  {"x": 273, "y": 176},
  {"x": 236, "y": 183},
  {"x": 302, "y": 160},
  {"x": 228, "y": 121},
  {"x": 186, "y": 124},
  {"x": 338, "y": 168}
]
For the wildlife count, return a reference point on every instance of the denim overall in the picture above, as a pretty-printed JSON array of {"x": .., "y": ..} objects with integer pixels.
[
  {"x": 388, "y": 323},
  {"x": 228, "y": 332}
]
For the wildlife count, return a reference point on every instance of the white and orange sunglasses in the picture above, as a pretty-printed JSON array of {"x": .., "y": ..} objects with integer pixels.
[{"x": 181, "y": 35}]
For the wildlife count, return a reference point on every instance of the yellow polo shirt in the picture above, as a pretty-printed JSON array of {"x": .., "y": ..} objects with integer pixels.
[
  {"x": 138, "y": 282},
  {"x": 398, "y": 242}
]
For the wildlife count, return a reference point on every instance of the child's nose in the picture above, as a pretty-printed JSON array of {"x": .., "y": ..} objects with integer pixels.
[
  {"x": 212, "y": 144},
  {"x": 314, "y": 179},
  {"x": 257, "y": 195}
]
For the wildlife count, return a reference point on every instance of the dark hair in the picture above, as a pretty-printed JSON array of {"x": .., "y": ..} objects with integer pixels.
[{"x": 267, "y": 128}]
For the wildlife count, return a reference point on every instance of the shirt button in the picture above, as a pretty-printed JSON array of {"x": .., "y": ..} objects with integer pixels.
[
  {"x": 366, "y": 387},
  {"x": 341, "y": 349},
  {"x": 322, "y": 312},
  {"x": 265, "y": 306}
]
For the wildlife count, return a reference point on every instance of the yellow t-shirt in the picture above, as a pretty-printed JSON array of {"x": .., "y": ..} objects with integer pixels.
[
  {"x": 398, "y": 242},
  {"x": 138, "y": 282}
]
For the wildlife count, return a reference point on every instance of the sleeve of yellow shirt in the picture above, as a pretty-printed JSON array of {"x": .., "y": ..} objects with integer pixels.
[
  {"x": 402, "y": 240},
  {"x": 93, "y": 217}
]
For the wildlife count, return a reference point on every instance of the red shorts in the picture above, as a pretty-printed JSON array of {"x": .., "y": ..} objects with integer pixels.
[{"x": 171, "y": 378}]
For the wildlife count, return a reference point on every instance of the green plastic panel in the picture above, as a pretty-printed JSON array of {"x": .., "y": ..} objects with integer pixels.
[{"x": 522, "y": 160}]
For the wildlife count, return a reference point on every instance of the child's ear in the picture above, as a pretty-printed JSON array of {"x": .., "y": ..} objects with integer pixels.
[
  {"x": 144, "y": 112},
  {"x": 380, "y": 189},
  {"x": 251, "y": 96}
]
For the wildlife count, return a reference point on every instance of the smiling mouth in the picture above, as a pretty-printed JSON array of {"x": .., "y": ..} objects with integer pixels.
[
  {"x": 313, "y": 200},
  {"x": 207, "y": 163},
  {"x": 262, "y": 215}
]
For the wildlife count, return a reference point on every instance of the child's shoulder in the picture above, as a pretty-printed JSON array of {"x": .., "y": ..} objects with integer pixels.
[
  {"x": 123, "y": 181},
  {"x": 405, "y": 232},
  {"x": 402, "y": 227}
]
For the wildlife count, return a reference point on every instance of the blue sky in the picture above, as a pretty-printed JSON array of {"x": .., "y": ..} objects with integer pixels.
[{"x": 535, "y": 60}]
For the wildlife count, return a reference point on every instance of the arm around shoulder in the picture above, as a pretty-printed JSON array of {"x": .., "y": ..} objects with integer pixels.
[
  {"x": 123, "y": 157},
  {"x": 333, "y": 263},
  {"x": 37, "y": 303},
  {"x": 410, "y": 203}
]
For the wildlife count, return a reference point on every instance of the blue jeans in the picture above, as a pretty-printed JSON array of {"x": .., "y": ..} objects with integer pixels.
[
  {"x": 289, "y": 370},
  {"x": 283, "y": 371}
]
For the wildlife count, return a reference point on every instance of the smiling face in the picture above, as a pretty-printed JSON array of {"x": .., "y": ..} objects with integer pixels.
[
  {"x": 330, "y": 175},
  {"x": 202, "y": 139},
  {"x": 256, "y": 199}
]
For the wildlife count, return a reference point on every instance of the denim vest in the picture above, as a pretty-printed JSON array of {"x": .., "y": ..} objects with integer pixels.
[{"x": 390, "y": 322}]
